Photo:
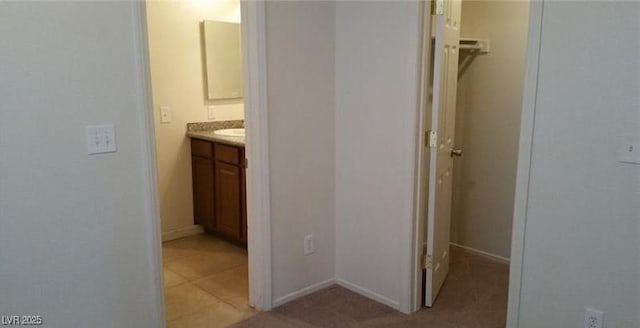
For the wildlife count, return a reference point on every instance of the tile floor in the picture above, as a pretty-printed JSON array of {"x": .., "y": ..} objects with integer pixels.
[
  {"x": 206, "y": 282},
  {"x": 474, "y": 295}
]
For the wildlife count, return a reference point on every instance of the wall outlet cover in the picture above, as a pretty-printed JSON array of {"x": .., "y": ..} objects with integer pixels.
[
  {"x": 165, "y": 114},
  {"x": 101, "y": 139},
  {"x": 593, "y": 318},
  {"x": 629, "y": 149},
  {"x": 309, "y": 247}
]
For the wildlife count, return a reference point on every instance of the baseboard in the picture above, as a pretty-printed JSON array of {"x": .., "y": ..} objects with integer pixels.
[
  {"x": 181, "y": 233},
  {"x": 484, "y": 254},
  {"x": 302, "y": 292},
  {"x": 368, "y": 294}
]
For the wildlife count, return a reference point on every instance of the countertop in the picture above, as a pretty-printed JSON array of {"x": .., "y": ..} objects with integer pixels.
[
  {"x": 205, "y": 131},
  {"x": 210, "y": 136}
]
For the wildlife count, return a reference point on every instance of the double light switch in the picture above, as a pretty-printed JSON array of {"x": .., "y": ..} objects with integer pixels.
[{"x": 101, "y": 139}]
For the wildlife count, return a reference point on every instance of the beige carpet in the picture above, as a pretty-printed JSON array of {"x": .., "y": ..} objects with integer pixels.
[{"x": 474, "y": 295}]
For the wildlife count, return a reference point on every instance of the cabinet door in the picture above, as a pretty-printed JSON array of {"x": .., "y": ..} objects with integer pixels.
[
  {"x": 203, "y": 193},
  {"x": 243, "y": 198},
  {"x": 228, "y": 200}
]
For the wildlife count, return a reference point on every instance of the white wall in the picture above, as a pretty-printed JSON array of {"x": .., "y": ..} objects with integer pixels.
[
  {"x": 178, "y": 81},
  {"x": 488, "y": 126},
  {"x": 75, "y": 236},
  {"x": 377, "y": 56},
  {"x": 582, "y": 243},
  {"x": 301, "y": 101}
]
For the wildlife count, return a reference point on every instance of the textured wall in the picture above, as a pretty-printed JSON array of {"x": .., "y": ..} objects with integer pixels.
[
  {"x": 75, "y": 236},
  {"x": 377, "y": 75},
  {"x": 583, "y": 216},
  {"x": 301, "y": 100}
]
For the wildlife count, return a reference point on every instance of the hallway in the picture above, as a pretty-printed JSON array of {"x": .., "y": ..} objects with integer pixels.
[{"x": 474, "y": 295}]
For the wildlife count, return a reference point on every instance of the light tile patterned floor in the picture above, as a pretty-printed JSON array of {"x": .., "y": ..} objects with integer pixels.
[
  {"x": 206, "y": 285},
  {"x": 206, "y": 282}
]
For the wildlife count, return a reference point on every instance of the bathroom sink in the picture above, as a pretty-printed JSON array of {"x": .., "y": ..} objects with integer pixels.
[{"x": 230, "y": 132}]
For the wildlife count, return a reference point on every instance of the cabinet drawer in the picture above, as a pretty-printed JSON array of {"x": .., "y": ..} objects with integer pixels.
[
  {"x": 201, "y": 148},
  {"x": 227, "y": 154}
]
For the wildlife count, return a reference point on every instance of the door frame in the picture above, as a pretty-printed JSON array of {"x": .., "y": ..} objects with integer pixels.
[
  {"x": 257, "y": 150},
  {"x": 524, "y": 162},
  {"x": 527, "y": 123},
  {"x": 421, "y": 180}
]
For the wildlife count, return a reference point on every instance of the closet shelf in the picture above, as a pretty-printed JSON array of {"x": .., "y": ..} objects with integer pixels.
[{"x": 480, "y": 45}]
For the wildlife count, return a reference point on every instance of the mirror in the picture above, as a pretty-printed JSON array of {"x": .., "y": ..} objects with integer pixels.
[{"x": 223, "y": 60}]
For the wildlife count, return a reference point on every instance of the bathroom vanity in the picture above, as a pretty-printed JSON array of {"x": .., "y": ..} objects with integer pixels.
[{"x": 218, "y": 173}]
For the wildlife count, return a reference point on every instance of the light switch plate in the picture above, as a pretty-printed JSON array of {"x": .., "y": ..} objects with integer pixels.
[
  {"x": 309, "y": 247},
  {"x": 211, "y": 112},
  {"x": 629, "y": 149},
  {"x": 165, "y": 114},
  {"x": 101, "y": 139},
  {"x": 593, "y": 318}
]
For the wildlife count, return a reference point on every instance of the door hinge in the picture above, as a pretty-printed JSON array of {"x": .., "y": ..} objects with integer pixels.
[
  {"x": 246, "y": 163},
  {"x": 431, "y": 139},
  {"x": 437, "y": 7},
  {"x": 427, "y": 261}
]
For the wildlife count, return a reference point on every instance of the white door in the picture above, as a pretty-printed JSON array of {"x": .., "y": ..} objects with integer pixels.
[{"x": 446, "y": 33}]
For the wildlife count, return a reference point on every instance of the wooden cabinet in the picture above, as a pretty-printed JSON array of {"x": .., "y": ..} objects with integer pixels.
[
  {"x": 228, "y": 200},
  {"x": 203, "y": 192},
  {"x": 219, "y": 198}
]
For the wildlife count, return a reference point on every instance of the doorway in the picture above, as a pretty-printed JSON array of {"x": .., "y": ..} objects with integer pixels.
[
  {"x": 474, "y": 73},
  {"x": 206, "y": 264}
]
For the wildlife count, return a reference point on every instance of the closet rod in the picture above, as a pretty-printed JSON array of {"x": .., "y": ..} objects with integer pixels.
[
  {"x": 470, "y": 46},
  {"x": 480, "y": 45}
]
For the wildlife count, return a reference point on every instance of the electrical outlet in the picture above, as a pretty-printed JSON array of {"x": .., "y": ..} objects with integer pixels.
[
  {"x": 211, "y": 112},
  {"x": 593, "y": 318},
  {"x": 165, "y": 114},
  {"x": 309, "y": 247}
]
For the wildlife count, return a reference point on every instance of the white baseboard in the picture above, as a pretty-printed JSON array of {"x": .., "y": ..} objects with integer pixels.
[
  {"x": 368, "y": 294},
  {"x": 302, "y": 292},
  {"x": 182, "y": 232},
  {"x": 478, "y": 252}
]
